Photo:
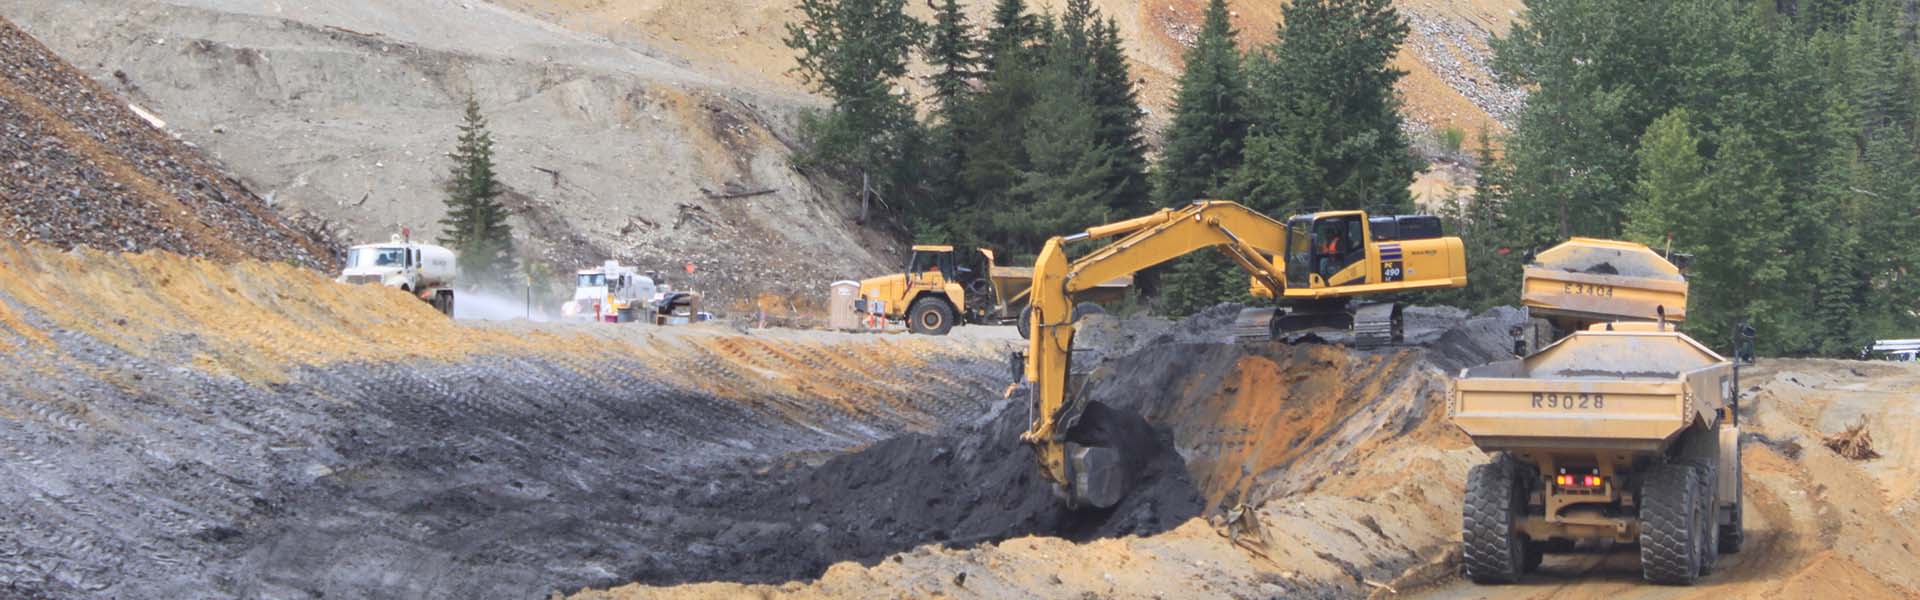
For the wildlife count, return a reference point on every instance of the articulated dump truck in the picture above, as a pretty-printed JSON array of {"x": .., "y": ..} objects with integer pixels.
[
  {"x": 1623, "y": 433},
  {"x": 1585, "y": 282}
]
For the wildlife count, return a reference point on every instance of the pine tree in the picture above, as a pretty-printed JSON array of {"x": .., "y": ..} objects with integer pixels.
[
  {"x": 1200, "y": 152},
  {"x": 1326, "y": 131},
  {"x": 1011, "y": 31},
  {"x": 1116, "y": 113},
  {"x": 476, "y": 225},
  {"x": 1064, "y": 187},
  {"x": 997, "y": 153},
  {"x": 1202, "y": 147},
  {"x": 856, "y": 52},
  {"x": 1480, "y": 221},
  {"x": 954, "y": 53},
  {"x": 1672, "y": 185}
]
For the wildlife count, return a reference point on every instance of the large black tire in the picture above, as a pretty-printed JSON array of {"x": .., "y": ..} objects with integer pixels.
[
  {"x": 1669, "y": 525},
  {"x": 1087, "y": 308},
  {"x": 1733, "y": 534},
  {"x": 930, "y": 316},
  {"x": 1709, "y": 516},
  {"x": 1492, "y": 549}
]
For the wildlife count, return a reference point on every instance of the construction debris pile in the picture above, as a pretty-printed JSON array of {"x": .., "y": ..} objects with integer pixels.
[{"x": 82, "y": 168}]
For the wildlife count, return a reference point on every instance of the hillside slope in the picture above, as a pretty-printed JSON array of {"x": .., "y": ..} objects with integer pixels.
[
  {"x": 1448, "y": 82},
  {"x": 608, "y": 149},
  {"x": 78, "y": 166},
  {"x": 652, "y": 131}
]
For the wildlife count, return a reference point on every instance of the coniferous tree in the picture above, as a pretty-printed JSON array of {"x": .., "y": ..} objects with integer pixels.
[
  {"x": 1011, "y": 31},
  {"x": 855, "y": 52},
  {"x": 1064, "y": 186},
  {"x": 476, "y": 226},
  {"x": 1116, "y": 113},
  {"x": 1200, "y": 153},
  {"x": 1494, "y": 264},
  {"x": 998, "y": 152},
  {"x": 1202, "y": 147},
  {"x": 954, "y": 53},
  {"x": 1326, "y": 131}
]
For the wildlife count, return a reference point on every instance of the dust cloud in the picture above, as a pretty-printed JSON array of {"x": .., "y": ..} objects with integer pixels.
[{"x": 477, "y": 305}]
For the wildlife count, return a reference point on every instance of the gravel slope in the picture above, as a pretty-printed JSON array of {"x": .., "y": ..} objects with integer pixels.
[{"x": 79, "y": 167}]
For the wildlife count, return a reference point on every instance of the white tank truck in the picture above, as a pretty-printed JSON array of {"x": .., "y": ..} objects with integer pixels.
[
  {"x": 424, "y": 270},
  {"x": 616, "y": 293},
  {"x": 611, "y": 292}
]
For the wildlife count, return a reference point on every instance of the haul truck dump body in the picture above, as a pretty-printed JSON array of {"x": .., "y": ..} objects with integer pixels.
[
  {"x": 1626, "y": 390},
  {"x": 1619, "y": 433},
  {"x": 1585, "y": 281}
]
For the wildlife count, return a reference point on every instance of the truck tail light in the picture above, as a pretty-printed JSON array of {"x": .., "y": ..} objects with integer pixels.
[{"x": 1584, "y": 482}]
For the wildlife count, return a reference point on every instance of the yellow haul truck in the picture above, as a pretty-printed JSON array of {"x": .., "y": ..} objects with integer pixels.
[
  {"x": 1585, "y": 282},
  {"x": 943, "y": 287},
  {"x": 1624, "y": 432}
]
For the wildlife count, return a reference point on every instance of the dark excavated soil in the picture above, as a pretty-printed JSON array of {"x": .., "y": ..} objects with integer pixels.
[{"x": 974, "y": 484}]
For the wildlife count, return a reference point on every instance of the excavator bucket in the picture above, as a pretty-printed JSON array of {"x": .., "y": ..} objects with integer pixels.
[{"x": 1108, "y": 449}]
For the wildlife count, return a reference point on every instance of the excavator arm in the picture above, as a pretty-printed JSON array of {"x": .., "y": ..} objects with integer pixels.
[{"x": 1085, "y": 472}]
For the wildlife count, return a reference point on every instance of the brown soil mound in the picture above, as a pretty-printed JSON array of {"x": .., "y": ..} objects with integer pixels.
[{"x": 79, "y": 167}]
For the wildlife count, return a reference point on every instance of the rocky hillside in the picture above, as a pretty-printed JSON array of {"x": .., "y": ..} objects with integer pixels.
[
  {"x": 657, "y": 132},
  {"x": 1448, "y": 82},
  {"x": 80, "y": 166},
  {"x": 608, "y": 148}
]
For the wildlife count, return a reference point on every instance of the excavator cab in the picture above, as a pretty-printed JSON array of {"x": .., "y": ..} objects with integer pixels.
[{"x": 1335, "y": 242}]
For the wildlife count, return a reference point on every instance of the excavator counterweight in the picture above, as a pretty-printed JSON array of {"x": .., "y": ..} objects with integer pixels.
[{"x": 1315, "y": 264}]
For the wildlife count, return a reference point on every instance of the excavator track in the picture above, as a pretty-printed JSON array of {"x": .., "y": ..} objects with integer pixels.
[
  {"x": 1372, "y": 325},
  {"x": 1378, "y": 324}
]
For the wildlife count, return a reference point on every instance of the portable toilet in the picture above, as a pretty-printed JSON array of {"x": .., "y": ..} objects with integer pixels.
[{"x": 840, "y": 314}]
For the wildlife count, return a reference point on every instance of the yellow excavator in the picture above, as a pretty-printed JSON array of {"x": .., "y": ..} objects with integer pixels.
[{"x": 1315, "y": 265}]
